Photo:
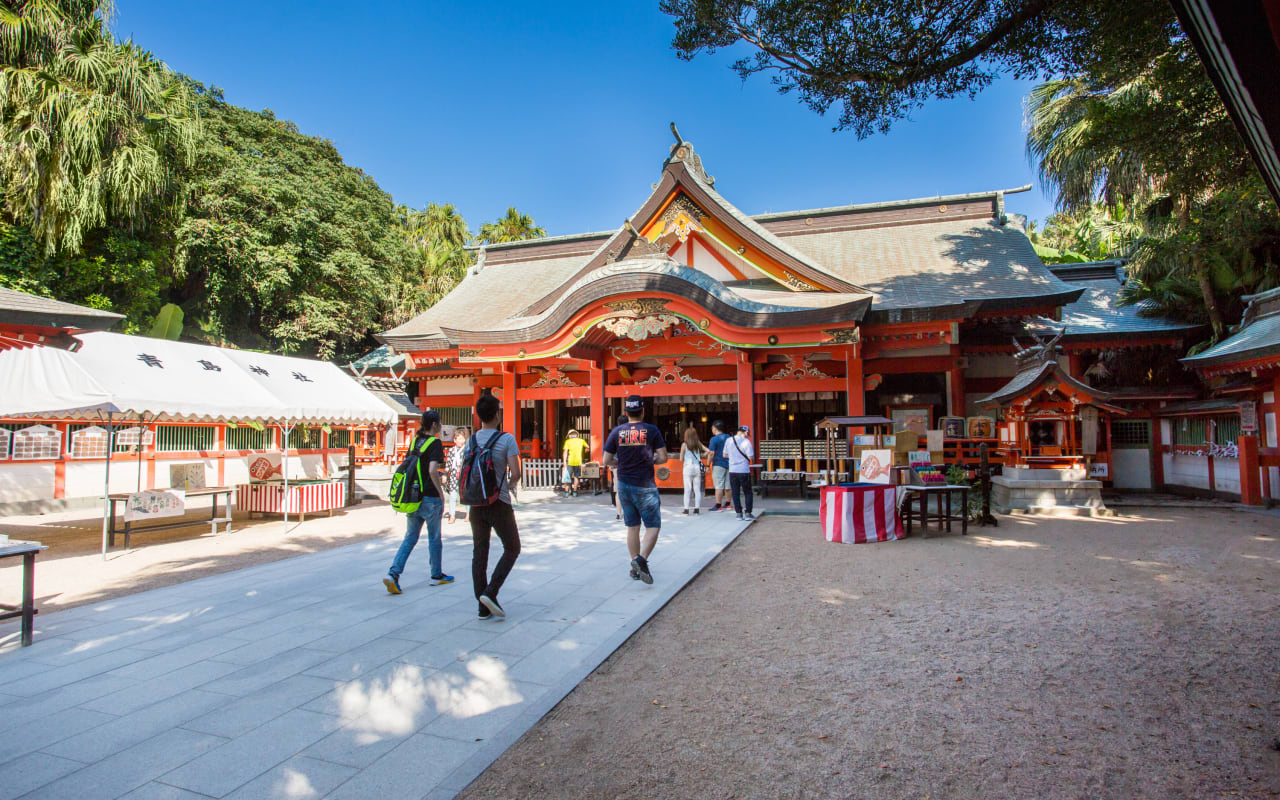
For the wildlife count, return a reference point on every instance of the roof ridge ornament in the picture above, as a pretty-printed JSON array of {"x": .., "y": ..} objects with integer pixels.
[{"x": 682, "y": 151}]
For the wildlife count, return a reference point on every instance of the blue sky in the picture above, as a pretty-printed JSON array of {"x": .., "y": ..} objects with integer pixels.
[{"x": 561, "y": 109}]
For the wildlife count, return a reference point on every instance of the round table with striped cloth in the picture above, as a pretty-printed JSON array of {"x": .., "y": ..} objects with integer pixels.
[{"x": 855, "y": 513}]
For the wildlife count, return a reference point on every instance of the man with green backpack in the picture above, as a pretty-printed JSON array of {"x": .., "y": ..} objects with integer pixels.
[{"x": 415, "y": 491}]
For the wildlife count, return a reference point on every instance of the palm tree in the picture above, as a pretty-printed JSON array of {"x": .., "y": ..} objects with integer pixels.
[
  {"x": 513, "y": 227},
  {"x": 90, "y": 129},
  {"x": 1077, "y": 134}
]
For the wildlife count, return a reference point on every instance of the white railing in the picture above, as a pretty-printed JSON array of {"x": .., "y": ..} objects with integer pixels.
[{"x": 542, "y": 473}]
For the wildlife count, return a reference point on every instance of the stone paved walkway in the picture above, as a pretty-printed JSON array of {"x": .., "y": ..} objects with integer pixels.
[{"x": 303, "y": 678}]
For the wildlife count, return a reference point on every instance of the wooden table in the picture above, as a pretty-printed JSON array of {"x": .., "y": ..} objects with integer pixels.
[
  {"x": 27, "y": 610},
  {"x": 944, "y": 517},
  {"x": 129, "y": 527}
]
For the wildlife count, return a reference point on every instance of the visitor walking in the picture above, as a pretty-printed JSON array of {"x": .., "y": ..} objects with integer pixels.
[
  {"x": 613, "y": 476},
  {"x": 501, "y": 450},
  {"x": 574, "y": 447},
  {"x": 692, "y": 452},
  {"x": 453, "y": 470},
  {"x": 429, "y": 511},
  {"x": 635, "y": 448},
  {"x": 740, "y": 452},
  {"x": 719, "y": 465}
]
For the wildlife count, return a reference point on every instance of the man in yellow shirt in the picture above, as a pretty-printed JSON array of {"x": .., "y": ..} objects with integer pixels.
[{"x": 574, "y": 449}]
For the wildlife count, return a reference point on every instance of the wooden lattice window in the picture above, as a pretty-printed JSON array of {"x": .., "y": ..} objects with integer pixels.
[
  {"x": 244, "y": 438},
  {"x": 339, "y": 437},
  {"x": 90, "y": 442},
  {"x": 37, "y": 442},
  {"x": 184, "y": 438},
  {"x": 127, "y": 439},
  {"x": 5, "y": 439}
]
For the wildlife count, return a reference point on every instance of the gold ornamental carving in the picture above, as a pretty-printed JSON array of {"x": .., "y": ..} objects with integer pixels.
[
  {"x": 844, "y": 335},
  {"x": 644, "y": 306}
]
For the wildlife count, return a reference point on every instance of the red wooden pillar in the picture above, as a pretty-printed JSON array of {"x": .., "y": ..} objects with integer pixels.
[
  {"x": 599, "y": 410},
  {"x": 1075, "y": 365},
  {"x": 1157, "y": 454},
  {"x": 855, "y": 396},
  {"x": 510, "y": 403},
  {"x": 957, "y": 391},
  {"x": 1250, "y": 483},
  {"x": 746, "y": 394}
]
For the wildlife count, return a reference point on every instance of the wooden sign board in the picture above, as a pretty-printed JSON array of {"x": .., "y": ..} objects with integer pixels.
[
  {"x": 918, "y": 458},
  {"x": 186, "y": 476},
  {"x": 934, "y": 440},
  {"x": 1249, "y": 418},
  {"x": 152, "y": 504},
  {"x": 875, "y": 466}
]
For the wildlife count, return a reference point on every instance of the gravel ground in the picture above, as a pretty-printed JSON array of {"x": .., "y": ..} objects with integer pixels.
[{"x": 1061, "y": 658}]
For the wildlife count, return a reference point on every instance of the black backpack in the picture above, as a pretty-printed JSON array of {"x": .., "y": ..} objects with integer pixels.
[{"x": 481, "y": 479}]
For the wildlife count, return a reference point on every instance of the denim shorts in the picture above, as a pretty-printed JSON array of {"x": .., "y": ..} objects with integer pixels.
[{"x": 640, "y": 504}]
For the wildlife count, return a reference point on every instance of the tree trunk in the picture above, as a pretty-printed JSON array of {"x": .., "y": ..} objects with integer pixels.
[{"x": 1210, "y": 301}]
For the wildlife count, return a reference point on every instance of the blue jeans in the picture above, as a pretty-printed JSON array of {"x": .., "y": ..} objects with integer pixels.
[
  {"x": 640, "y": 504},
  {"x": 430, "y": 512}
]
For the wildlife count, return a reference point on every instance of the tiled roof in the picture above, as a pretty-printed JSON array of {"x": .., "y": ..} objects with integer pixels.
[
  {"x": 398, "y": 402},
  {"x": 936, "y": 264},
  {"x": 1098, "y": 313},
  {"x": 379, "y": 358},
  {"x": 486, "y": 298},
  {"x": 21, "y": 308},
  {"x": 1259, "y": 339},
  {"x": 817, "y": 264}
]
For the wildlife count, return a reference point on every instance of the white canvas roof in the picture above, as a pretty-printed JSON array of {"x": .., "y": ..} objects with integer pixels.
[
  {"x": 48, "y": 382},
  {"x": 313, "y": 391},
  {"x": 170, "y": 380}
]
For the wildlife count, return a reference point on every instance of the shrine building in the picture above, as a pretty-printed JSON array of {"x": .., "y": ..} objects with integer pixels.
[{"x": 906, "y": 308}]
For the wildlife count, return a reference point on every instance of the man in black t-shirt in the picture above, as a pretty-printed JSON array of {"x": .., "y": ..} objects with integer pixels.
[
  {"x": 634, "y": 448},
  {"x": 430, "y": 511}
]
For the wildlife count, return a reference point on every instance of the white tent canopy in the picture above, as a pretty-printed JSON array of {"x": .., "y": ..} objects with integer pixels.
[
  {"x": 45, "y": 381},
  {"x": 169, "y": 380}
]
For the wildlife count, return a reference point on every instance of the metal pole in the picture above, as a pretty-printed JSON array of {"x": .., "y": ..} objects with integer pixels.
[
  {"x": 106, "y": 487},
  {"x": 284, "y": 473}
]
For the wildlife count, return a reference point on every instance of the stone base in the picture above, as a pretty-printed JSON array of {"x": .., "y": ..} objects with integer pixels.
[
  {"x": 1063, "y": 511},
  {"x": 1030, "y": 491}
]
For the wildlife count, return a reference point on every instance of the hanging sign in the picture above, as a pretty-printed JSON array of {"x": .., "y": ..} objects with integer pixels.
[
  {"x": 152, "y": 504},
  {"x": 1249, "y": 418},
  {"x": 186, "y": 476},
  {"x": 264, "y": 466}
]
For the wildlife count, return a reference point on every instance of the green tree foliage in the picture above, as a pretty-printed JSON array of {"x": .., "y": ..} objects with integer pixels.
[
  {"x": 281, "y": 244},
  {"x": 1152, "y": 169},
  {"x": 116, "y": 197},
  {"x": 880, "y": 59},
  {"x": 90, "y": 129},
  {"x": 511, "y": 227}
]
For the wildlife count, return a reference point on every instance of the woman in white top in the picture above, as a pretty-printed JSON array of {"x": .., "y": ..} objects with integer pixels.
[{"x": 692, "y": 452}]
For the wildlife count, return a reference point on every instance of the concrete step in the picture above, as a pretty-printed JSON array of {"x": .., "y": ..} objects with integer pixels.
[{"x": 1064, "y": 511}]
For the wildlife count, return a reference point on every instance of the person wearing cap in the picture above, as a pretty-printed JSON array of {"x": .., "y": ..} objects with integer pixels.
[
  {"x": 574, "y": 447},
  {"x": 635, "y": 447},
  {"x": 740, "y": 452}
]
